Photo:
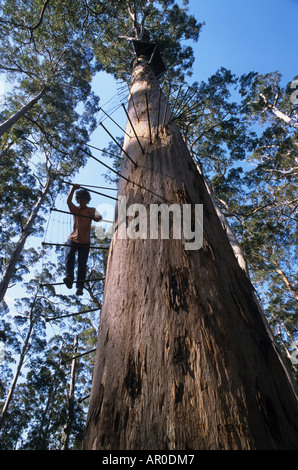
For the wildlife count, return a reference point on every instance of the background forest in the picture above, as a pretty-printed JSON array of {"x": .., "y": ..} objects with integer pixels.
[{"x": 67, "y": 68}]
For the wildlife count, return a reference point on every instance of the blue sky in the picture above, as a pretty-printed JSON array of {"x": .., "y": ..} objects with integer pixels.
[{"x": 244, "y": 36}]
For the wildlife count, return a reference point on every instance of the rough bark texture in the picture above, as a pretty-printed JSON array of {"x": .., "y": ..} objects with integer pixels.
[{"x": 184, "y": 358}]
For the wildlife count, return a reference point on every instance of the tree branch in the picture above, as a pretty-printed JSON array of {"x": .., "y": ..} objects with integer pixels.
[
  {"x": 40, "y": 16},
  {"x": 147, "y": 12},
  {"x": 134, "y": 18},
  {"x": 272, "y": 108},
  {"x": 18, "y": 69},
  {"x": 285, "y": 279}
]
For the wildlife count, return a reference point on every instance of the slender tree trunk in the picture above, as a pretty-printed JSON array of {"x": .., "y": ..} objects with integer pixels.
[
  {"x": 70, "y": 415},
  {"x": 184, "y": 358},
  {"x": 6, "y": 125},
  {"x": 21, "y": 242},
  {"x": 17, "y": 373},
  {"x": 286, "y": 280}
]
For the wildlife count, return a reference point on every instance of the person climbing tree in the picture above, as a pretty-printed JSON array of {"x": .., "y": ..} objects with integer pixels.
[{"x": 79, "y": 239}]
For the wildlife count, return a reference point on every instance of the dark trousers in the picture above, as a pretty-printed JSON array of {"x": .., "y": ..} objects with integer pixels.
[{"x": 70, "y": 255}]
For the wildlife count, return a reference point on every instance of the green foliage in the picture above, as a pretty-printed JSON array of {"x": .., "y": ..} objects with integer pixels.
[
  {"x": 37, "y": 422},
  {"x": 168, "y": 24},
  {"x": 43, "y": 48},
  {"x": 259, "y": 198}
]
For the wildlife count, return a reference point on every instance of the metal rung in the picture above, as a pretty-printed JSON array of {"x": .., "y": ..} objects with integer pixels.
[
  {"x": 74, "y": 282},
  {"x": 65, "y": 244},
  {"x": 71, "y": 314},
  {"x": 79, "y": 355}
]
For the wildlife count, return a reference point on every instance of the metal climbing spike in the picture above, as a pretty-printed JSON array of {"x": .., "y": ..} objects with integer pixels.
[
  {"x": 65, "y": 244},
  {"x": 78, "y": 355},
  {"x": 101, "y": 124},
  {"x": 148, "y": 116},
  {"x": 91, "y": 190},
  {"x": 115, "y": 122},
  {"x": 158, "y": 112},
  {"x": 134, "y": 131},
  {"x": 71, "y": 314},
  {"x": 75, "y": 280}
]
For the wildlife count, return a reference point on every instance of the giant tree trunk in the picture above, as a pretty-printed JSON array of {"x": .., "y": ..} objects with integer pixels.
[{"x": 184, "y": 358}]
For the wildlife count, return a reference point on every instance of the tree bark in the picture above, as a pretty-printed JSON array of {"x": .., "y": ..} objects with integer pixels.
[
  {"x": 184, "y": 358},
  {"x": 6, "y": 125},
  {"x": 9, "y": 270}
]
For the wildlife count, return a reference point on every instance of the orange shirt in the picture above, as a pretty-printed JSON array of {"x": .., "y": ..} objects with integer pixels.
[{"x": 82, "y": 225}]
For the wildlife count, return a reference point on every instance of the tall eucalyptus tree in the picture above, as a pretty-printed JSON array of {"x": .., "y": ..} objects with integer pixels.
[{"x": 185, "y": 358}]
